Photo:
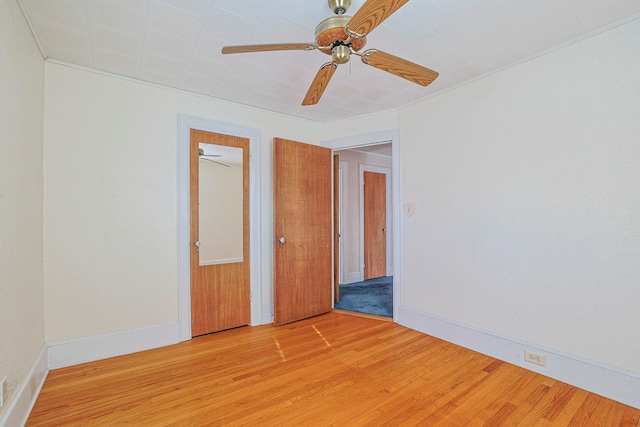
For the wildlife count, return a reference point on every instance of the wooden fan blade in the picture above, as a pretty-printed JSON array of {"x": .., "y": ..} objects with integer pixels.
[
  {"x": 267, "y": 47},
  {"x": 372, "y": 14},
  {"x": 216, "y": 162},
  {"x": 400, "y": 67},
  {"x": 320, "y": 83}
]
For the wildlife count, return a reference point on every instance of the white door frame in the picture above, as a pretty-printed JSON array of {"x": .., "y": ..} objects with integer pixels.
[
  {"x": 392, "y": 136},
  {"x": 362, "y": 168},
  {"x": 343, "y": 168},
  {"x": 185, "y": 124}
]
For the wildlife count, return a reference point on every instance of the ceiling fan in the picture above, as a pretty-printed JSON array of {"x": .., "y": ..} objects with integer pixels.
[
  {"x": 342, "y": 36},
  {"x": 203, "y": 156}
]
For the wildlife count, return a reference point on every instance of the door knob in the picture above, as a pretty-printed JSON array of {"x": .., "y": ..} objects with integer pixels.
[
  {"x": 197, "y": 245},
  {"x": 282, "y": 240}
]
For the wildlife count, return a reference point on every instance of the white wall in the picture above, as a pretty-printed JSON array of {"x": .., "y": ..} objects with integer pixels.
[
  {"x": 21, "y": 195},
  {"x": 527, "y": 187},
  {"x": 362, "y": 125},
  {"x": 110, "y": 198}
]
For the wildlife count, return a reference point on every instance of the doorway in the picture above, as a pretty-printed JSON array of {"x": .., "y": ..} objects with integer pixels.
[{"x": 366, "y": 229}]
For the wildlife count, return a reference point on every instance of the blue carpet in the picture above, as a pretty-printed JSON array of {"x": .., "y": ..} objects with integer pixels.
[{"x": 373, "y": 296}]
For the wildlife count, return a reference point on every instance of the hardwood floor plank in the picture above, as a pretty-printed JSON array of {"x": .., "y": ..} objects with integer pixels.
[
  {"x": 630, "y": 418},
  {"x": 332, "y": 369},
  {"x": 586, "y": 410},
  {"x": 473, "y": 408},
  {"x": 515, "y": 407},
  {"x": 529, "y": 390},
  {"x": 547, "y": 403},
  {"x": 500, "y": 417},
  {"x": 615, "y": 415},
  {"x": 599, "y": 417},
  {"x": 570, "y": 408},
  {"x": 564, "y": 393}
]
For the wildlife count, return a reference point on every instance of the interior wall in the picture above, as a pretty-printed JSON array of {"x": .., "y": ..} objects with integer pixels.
[
  {"x": 21, "y": 198},
  {"x": 360, "y": 126},
  {"x": 354, "y": 159},
  {"x": 111, "y": 203},
  {"x": 526, "y": 185}
]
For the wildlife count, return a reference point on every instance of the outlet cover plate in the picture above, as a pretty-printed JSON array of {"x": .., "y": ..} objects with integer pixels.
[{"x": 536, "y": 358}]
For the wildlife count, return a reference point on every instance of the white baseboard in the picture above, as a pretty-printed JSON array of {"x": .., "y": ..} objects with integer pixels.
[
  {"x": 22, "y": 402},
  {"x": 88, "y": 349},
  {"x": 267, "y": 314},
  {"x": 613, "y": 383},
  {"x": 353, "y": 277}
]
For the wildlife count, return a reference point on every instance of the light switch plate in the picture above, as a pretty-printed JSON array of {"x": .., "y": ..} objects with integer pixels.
[
  {"x": 3, "y": 391},
  {"x": 409, "y": 208}
]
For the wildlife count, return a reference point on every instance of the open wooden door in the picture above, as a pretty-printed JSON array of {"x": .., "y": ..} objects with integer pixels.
[
  {"x": 375, "y": 223},
  {"x": 302, "y": 227},
  {"x": 220, "y": 289}
]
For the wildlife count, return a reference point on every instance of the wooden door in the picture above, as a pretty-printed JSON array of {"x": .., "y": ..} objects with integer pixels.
[
  {"x": 220, "y": 293},
  {"x": 302, "y": 230},
  {"x": 375, "y": 223}
]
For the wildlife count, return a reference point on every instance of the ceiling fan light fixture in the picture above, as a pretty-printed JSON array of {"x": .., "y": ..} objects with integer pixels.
[{"x": 341, "y": 54}]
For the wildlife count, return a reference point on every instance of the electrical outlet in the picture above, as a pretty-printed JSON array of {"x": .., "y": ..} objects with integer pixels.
[
  {"x": 3, "y": 391},
  {"x": 538, "y": 359}
]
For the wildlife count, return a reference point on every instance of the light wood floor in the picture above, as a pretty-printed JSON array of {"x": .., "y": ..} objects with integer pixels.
[{"x": 333, "y": 369}]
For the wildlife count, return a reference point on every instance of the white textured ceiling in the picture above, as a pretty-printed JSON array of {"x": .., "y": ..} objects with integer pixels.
[{"x": 177, "y": 43}]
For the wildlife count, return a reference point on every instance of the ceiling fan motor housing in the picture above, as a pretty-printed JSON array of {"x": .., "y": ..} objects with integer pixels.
[{"x": 331, "y": 30}]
